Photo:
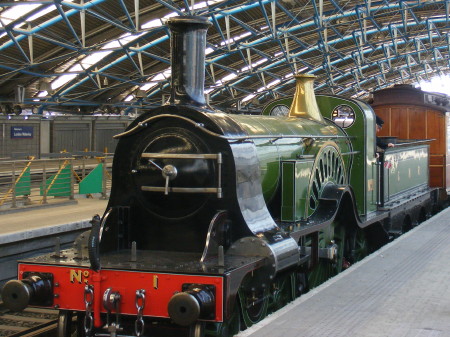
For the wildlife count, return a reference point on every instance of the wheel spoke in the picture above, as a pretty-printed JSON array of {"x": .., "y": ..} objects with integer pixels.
[
  {"x": 357, "y": 247},
  {"x": 254, "y": 301},
  {"x": 283, "y": 291}
]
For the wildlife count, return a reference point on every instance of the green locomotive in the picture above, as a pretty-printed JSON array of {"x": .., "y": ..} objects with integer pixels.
[
  {"x": 391, "y": 186},
  {"x": 219, "y": 219}
]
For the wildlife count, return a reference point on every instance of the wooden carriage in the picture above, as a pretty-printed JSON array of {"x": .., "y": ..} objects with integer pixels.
[{"x": 410, "y": 113}]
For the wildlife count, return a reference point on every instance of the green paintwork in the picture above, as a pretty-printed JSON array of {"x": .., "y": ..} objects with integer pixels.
[
  {"x": 295, "y": 177},
  {"x": 23, "y": 185},
  {"x": 404, "y": 169},
  {"x": 61, "y": 183},
  {"x": 362, "y": 131},
  {"x": 273, "y": 151},
  {"x": 93, "y": 182},
  {"x": 410, "y": 167}
]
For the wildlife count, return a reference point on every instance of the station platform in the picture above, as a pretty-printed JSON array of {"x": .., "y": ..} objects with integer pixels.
[
  {"x": 51, "y": 219},
  {"x": 30, "y": 231},
  {"x": 401, "y": 290}
]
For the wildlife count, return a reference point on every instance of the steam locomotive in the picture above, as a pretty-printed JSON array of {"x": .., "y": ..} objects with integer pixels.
[{"x": 215, "y": 220}]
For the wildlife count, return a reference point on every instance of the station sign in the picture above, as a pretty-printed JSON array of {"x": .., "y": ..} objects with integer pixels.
[{"x": 22, "y": 132}]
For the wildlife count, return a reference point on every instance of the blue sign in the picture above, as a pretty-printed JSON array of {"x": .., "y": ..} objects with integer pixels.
[{"x": 21, "y": 132}]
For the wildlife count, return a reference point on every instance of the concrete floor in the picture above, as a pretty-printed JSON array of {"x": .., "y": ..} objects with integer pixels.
[
  {"x": 401, "y": 290},
  {"x": 26, "y": 224}
]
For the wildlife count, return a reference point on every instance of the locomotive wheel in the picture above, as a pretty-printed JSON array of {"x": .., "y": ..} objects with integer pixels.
[
  {"x": 283, "y": 291},
  {"x": 352, "y": 247},
  {"x": 197, "y": 330},
  {"x": 357, "y": 246},
  {"x": 328, "y": 170},
  {"x": 326, "y": 269},
  {"x": 254, "y": 301},
  {"x": 70, "y": 324},
  {"x": 228, "y": 328}
]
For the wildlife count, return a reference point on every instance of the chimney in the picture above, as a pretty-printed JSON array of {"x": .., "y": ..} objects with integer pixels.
[
  {"x": 188, "y": 44},
  {"x": 304, "y": 103}
]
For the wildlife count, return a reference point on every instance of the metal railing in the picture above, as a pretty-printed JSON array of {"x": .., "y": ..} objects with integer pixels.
[{"x": 42, "y": 181}]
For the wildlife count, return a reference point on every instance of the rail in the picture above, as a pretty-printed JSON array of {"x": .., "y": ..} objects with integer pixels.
[
  {"x": 62, "y": 177},
  {"x": 30, "y": 322}
]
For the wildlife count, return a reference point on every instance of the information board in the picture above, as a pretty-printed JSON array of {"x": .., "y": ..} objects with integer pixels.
[{"x": 21, "y": 132}]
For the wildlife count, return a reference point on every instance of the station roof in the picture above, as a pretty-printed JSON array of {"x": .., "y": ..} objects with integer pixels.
[{"x": 86, "y": 55}]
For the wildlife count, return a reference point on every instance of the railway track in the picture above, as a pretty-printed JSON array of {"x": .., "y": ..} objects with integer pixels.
[{"x": 28, "y": 323}]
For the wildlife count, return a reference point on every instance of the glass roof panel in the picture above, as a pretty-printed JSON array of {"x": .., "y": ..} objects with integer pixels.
[
  {"x": 439, "y": 84},
  {"x": 15, "y": 12},
  {"x": 250, "y": 48}
]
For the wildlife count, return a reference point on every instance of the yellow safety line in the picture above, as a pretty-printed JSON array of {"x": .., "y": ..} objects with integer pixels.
[{"x": 17, "y": 180}]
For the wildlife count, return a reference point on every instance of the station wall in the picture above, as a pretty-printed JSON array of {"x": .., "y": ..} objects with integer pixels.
[{"x": 37, "y": 135}]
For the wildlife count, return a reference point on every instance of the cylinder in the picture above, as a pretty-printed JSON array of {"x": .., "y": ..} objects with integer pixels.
[{"x": 188, "y": 44}]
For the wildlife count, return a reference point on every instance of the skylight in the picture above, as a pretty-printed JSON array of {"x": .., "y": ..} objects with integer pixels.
[
  {"x": 438, "y": 84},
  {"x": 255, "y": 64},
  {"x": 149, "y": 85},
  {"x": 235, "y": 38},
  {"x": 16, "y": 12},
  {"x": 269, "y": 85},
  {"x": 248, "y": 98},
  {"x": 125, "y": 39},
  {"x": 73, "y": 70}
]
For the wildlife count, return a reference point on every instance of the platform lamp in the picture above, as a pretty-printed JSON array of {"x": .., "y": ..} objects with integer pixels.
[
  {"x": 20, "y": 94},
  {"x": 45, "y": 85},
  {"x": 19, "y": 99},
  {"x": 140, "y": 93}
]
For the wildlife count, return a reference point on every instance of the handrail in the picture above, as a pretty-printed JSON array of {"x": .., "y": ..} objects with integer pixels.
[
  {"x": 413, "y": 142},
  {"x": 17, "y": 180},
  {"x": 43, "y": 178},
  {"x": 54, "y": 179},
  {"x": 200, "y": 126}
]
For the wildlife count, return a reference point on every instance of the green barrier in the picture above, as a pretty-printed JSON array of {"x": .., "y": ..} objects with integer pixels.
[
  {"x": 93, "y": 182},
  {"x": 58, "y": 185},
  {"x": 23, "y": 184}
]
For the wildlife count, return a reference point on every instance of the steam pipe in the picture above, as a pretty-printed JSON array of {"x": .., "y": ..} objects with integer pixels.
[{"x": 188, "y": 44}]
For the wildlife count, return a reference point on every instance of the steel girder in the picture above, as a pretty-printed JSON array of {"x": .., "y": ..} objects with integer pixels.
[{"x": 100, "y": 52}]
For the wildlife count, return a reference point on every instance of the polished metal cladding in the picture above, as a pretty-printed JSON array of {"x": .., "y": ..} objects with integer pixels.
[
  {"x": 304, "y": 103},
  {"x": 188, "y": 44},
  {"x": 280, "y": 254}
]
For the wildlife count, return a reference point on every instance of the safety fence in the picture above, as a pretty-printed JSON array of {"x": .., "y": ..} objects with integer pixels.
[{"x": 52, "y": 180}]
